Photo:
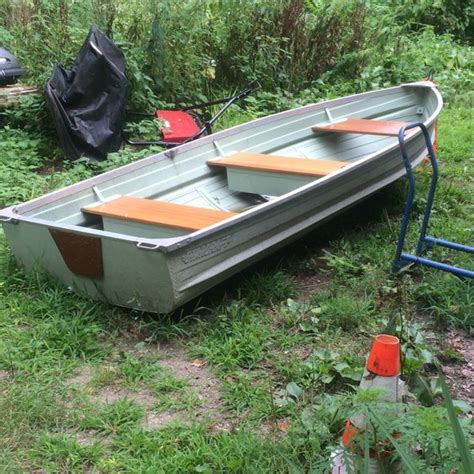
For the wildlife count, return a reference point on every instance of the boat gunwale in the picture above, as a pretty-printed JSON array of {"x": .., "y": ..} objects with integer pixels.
[{"x": 13, "y": 213}]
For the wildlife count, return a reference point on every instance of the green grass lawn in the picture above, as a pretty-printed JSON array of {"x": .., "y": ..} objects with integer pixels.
[{"x": 260, "y": 374}]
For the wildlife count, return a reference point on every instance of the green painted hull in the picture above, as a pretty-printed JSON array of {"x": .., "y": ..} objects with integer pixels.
[{"x": 155, "y": 270}]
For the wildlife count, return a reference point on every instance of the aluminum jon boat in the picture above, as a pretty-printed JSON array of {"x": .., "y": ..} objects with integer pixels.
[{"x": 156, "y": 233}]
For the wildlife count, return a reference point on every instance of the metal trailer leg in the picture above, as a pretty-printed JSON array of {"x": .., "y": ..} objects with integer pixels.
[{"x": 425, "y": 242}]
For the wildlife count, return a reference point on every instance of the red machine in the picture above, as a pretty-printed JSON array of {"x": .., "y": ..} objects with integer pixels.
[{"x": 184, "y": 125}]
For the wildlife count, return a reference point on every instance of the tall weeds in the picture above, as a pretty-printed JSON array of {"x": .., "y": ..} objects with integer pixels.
[{"x": 184, "y": 51}]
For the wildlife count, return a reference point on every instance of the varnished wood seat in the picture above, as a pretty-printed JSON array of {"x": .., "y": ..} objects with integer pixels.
[
  {"x": 278, "y": 164},
  {"x": 166, "y": 214},
  {"x": 363, "y": 126}
]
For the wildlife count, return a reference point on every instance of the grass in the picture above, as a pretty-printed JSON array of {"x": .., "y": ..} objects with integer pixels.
[
  {"x": 268, "y": 362},
  {"x": 113, "y": 417}
]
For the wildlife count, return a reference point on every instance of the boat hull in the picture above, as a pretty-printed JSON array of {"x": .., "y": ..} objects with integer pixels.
[{"x": 159, "y": 275}]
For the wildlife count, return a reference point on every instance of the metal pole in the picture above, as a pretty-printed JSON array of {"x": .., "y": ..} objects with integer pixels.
[
  {"x": 397, "y": 264},
  {"x": 434, "y": 180}
]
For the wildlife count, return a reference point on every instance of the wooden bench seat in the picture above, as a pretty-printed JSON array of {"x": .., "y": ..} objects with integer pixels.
[
  {"x": 166, "y": 214},
  {"x": 271, "y": 174},
  {"x": 278, "y": 164},
  {"x": 363, "y": 126}
]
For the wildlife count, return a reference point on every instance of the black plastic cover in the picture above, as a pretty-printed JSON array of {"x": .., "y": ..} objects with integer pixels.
[
  {"x": 10, "y": 69},
  {"x": 87, "y": 102}
]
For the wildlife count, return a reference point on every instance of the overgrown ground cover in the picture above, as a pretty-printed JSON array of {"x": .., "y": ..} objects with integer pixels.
[{"x": 260, "y": 373}]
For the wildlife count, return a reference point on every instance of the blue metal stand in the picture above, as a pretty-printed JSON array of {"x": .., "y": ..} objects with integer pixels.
[{"x": 425, "y": 242}]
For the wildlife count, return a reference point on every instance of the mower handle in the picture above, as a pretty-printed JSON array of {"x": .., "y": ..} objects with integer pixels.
[{"x": 252, "y": 87}]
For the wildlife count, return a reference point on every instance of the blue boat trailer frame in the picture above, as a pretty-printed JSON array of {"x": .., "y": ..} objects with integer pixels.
[{"x": 425, "y": 242}]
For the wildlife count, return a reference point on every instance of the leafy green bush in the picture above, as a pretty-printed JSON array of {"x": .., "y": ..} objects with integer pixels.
[
  {"x": 20, "y": 159},
  {"x": 193, "y": 50}
]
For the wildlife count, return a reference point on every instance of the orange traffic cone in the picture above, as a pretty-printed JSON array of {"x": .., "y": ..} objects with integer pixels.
[{"x": 382, "y": 371}]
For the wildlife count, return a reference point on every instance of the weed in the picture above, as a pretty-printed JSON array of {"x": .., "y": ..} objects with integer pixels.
[
  {"x": 325, "y": 366},
  {"x": 102, "y": 376},
  {"x": 146, "y": 130},
  {"x": 449, "y": 299},
  {"x": 135, "y": 370},
  {"x": 267, "y": 287},
  {"x": 167, "y": 383},
  {"x": 340, "y": 310},
  {"x": 23, "y": 183},
  {"x": 62, "y": 452},
  {"x": 243, "y": 391},
  {"x": 110, "y": 418},
  {"x": 183, "y": 400},
  {"x": 238, "y": 338}
]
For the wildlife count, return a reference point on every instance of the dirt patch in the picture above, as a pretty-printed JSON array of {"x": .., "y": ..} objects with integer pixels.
[
  {"x": 87, "y": 438},
  {"x": 275, "y": 430},
  {"x": 458, "y": 363},
  {"x": 82, "y": 376},
  {"x": 311, "y": 283},
  {"x": 4, "y": 376},
  {"x": 158, "y": 420},
  {"x": 173, "y": 358},
  {"x": 199, "y": 378},
  {"x": 114, "y": 393}
]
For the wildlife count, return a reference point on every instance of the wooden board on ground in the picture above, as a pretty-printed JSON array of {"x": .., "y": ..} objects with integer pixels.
[{"x": 10, "y": 95}]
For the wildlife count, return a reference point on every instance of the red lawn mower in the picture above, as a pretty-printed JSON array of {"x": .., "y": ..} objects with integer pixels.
[{"x": 184, "y": 125}]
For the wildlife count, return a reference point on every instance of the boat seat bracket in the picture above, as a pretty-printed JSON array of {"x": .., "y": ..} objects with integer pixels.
[
  {"x": 219, "y": 148},
  {"x": 329, "y": 115},
  {"x": 97, "y": 192},
  {"x": 425, "y": 242}
]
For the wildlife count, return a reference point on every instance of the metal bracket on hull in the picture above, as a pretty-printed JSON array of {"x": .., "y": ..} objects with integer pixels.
[
  {"x": 218, "y": 148},
  {"x": 8, "y": 219},
  {"x": 8, "y": 215},
  {"x": 98, "y": 193},
  {"x": 329, "y": 115},
  {"x": 147, "y": 246},
  {"x": 425, "y": 242}
]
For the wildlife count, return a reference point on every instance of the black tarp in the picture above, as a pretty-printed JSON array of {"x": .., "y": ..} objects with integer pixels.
[{"x": 88, "y": 101}]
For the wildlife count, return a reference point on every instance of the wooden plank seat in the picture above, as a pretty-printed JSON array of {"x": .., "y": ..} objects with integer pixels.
[
  {"x": 271, "y": 174},
  {"x": 165, "y": 214},
  {"x": 363, "y": 126},
  {"x": 278, "y": 164}
]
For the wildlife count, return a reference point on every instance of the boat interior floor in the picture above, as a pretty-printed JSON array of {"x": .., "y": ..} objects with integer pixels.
[{"x": 257, "y": 174}]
